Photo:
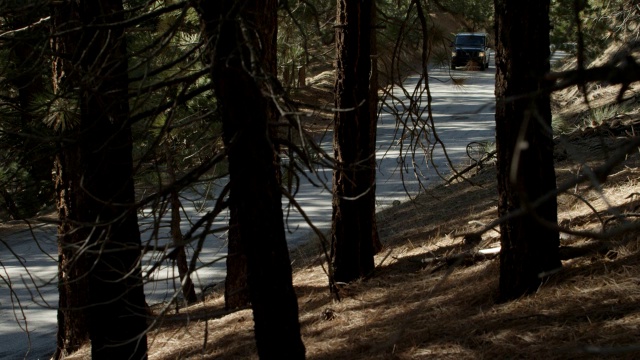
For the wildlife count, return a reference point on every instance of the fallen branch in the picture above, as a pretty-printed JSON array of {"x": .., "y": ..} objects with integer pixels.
[{"x": 478, "y": 163}]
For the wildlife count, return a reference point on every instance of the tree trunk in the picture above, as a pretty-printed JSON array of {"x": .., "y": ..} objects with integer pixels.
[
  {"x": 354, "y": 235},
  {"x": 236, "y": 290},
  {"x": 188, "y": 289},
  {"x": 73, "y": 323},
  {"x": 524, "y": 147},
  {"x": 255, "y": 189},
  {"x": 100, "y": 277},
  {"x": 373, "y": 124},
  {"x": 182, "y": 263}
]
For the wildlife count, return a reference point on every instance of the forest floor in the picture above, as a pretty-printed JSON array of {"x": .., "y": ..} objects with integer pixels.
[{"x": 423, "y": 303}]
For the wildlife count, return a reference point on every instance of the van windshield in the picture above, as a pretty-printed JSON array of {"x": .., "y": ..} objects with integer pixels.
[{"x": 469, "y": 40}]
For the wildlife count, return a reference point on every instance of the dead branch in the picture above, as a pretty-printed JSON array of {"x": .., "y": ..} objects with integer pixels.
[{"x": 478, "y": 163}]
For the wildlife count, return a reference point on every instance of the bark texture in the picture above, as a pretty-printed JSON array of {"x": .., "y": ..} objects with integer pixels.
[
  {"x": 99, "y": 240},
  {"x": 236, "y": 286},
  {"x": 181, "y": 260},
  {"x": 254, "y": 186},
  {"x": 262, "y": 17},
  {"x": 354, "y": 232},
  {"x": 524, "y": 147}
]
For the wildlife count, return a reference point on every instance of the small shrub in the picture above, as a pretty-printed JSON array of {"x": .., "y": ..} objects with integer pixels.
[{"x": 561, "y": 125}]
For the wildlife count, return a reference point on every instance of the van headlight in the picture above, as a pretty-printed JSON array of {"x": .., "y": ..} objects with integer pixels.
[
  {"x": 453, "y": 53},
  {"x": 481, "y": 54}
]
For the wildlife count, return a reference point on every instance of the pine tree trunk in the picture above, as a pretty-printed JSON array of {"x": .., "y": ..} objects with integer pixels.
[
  {"x": 99, "y": 235},
  {"x": 255, "y": 188},
  {"x": 354, "y": 235},
  {"x": 236, "y": 287},
  {"x": 524, "y": 146},
  {"x": 373, "y": 124},
  {"x": 73, "y": 323},
  {"x": 182, "y": 263}
]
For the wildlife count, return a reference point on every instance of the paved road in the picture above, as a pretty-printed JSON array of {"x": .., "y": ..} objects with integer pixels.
[{"x": 461, "y": 114}]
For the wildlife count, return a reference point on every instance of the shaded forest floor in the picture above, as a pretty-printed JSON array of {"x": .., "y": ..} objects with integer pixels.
[{"x": 419, "y": 305}]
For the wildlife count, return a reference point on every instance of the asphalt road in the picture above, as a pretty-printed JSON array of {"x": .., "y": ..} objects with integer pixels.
[
  {"x": 461, "y": 114},
  {"x": 408, "y": 156}
]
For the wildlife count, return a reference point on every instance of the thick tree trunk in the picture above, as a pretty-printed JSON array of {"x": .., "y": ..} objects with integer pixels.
[
  {"x": 354, "y": 235},
  {"x": 236, "y": 287},
  {"x": 99, "y": 235},
  {"x": 373, "y": 124},
  {"x": 524, "y": 147},
  {"x": 255, "y": 189}
]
